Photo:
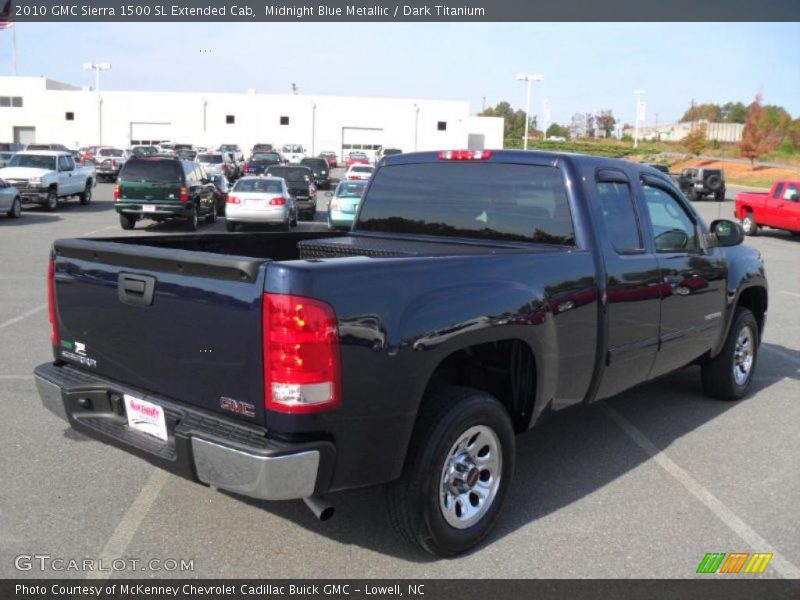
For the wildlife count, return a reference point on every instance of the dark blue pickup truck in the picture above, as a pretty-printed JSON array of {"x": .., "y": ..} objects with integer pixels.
[{"x": 476, "y": 292}]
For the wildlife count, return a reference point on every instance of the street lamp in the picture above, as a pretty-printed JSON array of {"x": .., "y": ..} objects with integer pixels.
[
  {"x": 639, "y": 116},
  {"x": 529, "y": 78},
  {"x": 313, "y": 127},
  {"x": 416, "y": 126},
  {"x": 97, "y": 67}
]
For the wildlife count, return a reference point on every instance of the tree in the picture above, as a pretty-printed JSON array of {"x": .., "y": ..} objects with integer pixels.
[
  {"x": 590, "y": 125},
  {"x": 558, "y": 131},
  {"x": 703, "y": 112},
  {"x": 734, "y": 112},
  {"x": 577, "y": 126},
  {"x": 754, "y": 142},
  {"x": 697, "y": 139},
  {"x": 514, "y": 121},
  {"x": 606, "y": 122}
]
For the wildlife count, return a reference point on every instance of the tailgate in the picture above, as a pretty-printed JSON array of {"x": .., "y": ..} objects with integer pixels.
[{"x": 177, "y": 323}]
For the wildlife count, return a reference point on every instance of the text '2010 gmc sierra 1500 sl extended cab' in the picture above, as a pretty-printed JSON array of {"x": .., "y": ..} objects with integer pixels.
[{"x": 476, "y": 292}]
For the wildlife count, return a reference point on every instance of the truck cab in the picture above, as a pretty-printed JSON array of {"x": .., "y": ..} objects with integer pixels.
[{"x": 779, "y": 208}]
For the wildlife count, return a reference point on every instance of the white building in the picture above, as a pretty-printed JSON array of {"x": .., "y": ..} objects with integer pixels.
[
  {"x": 675, "y": 132},
  {"x": 36, "y": 109}
]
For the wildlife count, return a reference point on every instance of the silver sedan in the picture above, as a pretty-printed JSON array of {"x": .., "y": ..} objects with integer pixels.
[{"x": 10, "y": 202}]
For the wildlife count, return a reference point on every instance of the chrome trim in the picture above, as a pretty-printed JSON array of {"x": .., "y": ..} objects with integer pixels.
[
  {"x": 50, "y": 394},
  {"x": 266, "y": 477}
]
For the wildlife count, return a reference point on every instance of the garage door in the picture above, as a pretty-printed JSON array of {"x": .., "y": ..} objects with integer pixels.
[
  {"x": 366, "y": 139},
  {"x": 150, "y": 133},
  {"x": 25, "y": 135}
]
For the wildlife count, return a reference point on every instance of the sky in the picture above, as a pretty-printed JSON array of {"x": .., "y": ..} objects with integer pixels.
[{"x": 587, "y": 67}]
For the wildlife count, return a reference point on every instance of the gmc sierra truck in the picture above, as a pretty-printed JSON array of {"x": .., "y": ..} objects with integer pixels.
[
  {"x": 476, "y": 292},
  {"x": 47, "y": 176}
]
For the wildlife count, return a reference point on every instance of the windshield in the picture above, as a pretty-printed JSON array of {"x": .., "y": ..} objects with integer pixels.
[
  {"x": 152, "y": 171},
  {"x": 266, "y": 157},
  {"x": 264, "y": 186},
  {"x": 351, "y": 189},
  {"x": 289, "y": 173},
  {"x": 294, "y": 148},
  {"x": 111, "y": 152},
  {"x": 33, "y": 160},
  {"x": 211, "y": 159},
  {"x": 499, "y": 201}
]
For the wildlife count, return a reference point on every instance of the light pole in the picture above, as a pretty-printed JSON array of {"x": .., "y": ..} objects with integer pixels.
[
  {"x": 97, "y": 67},
  {"x": 313, "y": 127},
  {"x": 529, "y": 78},
  {"x": 639, "y": 116},
  {"x": 545, "y": 116},
  {"x": 416, "y": 125}
]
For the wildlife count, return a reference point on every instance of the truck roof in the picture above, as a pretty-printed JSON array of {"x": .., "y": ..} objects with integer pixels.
[{"x": 46, "y": 152}]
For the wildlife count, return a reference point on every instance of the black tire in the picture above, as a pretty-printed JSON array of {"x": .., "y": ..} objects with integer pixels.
[
  {"x": 86, "y": 196},
  {"x": 294, "y": 218},
  {"x": 16, "y": 209},
  {"x": 51, "y": 204},
  {"x": 720, "y": 196},
  {"x": 719, "y": 373},
  {"x": 713, "y": 182},
  {"x": 446, "y": 416},
  {"x": 230, "y": 225},
  {"x": 692, "y": 195},
  {"x": 212, "y": 216},
  {"x": 192, "y": 220},
  {"x": 749, "y": 224},
  {"x": 127, "y": 222}
]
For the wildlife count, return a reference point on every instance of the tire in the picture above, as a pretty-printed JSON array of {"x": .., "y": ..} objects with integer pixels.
[
  {"x": 86, "y": 196},
  {"x": 212, "y": 216},
  {"x": 713, "y": 182},
  {"x": 449, "y": 416},
  {"x": 230, "y": 225},
  {"x": 728, "y": 375},
  {"x": 51, "y": 204},
  {"x": 192, "y": 220},
  {"x": 294, "y": 218},
  {"x": 720, "y": 196},
  {"x": 692, "y": 195},
  {"x": 16, "y": 209},
  {"x": 749, "y": 224},
  {"x": 127, "y": 222}
]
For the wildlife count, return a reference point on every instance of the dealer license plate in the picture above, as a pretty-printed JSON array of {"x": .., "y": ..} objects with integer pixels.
[
  {"x": 146, "y": 417},
  {"x": 148, "y": 208}
]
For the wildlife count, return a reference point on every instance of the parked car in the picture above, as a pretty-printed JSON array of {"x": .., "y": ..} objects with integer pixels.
[
  {"x": 144, "y": 150},
  {"x": 293, "y": 153},
  {"x": 260, "y": 201},
  {"x": 217, "y": 162},
  {"x": 108, "y": 162},
  {"x": 88, "y": 154},
  {"x": 300, "y": 181},
  {"x": 779, "y": 208},
  {"x": 359, "y": 171},
  {"x": 12, "y": 147},
  {"x": 221, "y": 189},
  {"x": 261, "y": 148},
  {"x": 356, "y": 158},
  {"x": 5, "y": 157},
  {"x": 698, "y": 184},
  {"x": 259, "y": 162},
  {"x": 10, "y": 200},
  {"x": 235, "y": 151},
  {"x": 386, "y": 152},
  {"x": 344, "y": 202},
  {"x": 187, "y": 154},
  {"x": 412, "y": 349},
  {"x": 330, "y": 157},
  {"x": 58, "y": 147},
  {"x": 47, "y": 176},
  {"x": 319, "y": 167},
  {"x": 164, "y": 188}
]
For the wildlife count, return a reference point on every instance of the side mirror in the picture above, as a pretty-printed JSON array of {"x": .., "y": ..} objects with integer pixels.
[
  {"x": 795, "y": 197},
  {"x": 728, "y": 233}
]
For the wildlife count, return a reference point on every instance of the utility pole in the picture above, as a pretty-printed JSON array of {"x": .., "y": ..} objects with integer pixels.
[
  {"x": 658, "y": 135},
  {"x": 639, "y": 116},
  {"x": 483, "y": 104},
  {"x": 528, "y": 79}
]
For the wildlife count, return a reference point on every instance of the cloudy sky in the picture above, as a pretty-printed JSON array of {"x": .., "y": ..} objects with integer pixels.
[{"x": 586, "y": 67}]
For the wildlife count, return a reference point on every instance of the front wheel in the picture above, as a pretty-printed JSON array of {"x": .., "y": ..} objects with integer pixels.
[
  {"x": 728, "y": 375},
  {"x": 16, "y": 209},
  {"x": 749, "y": 224},
  {"x": 457, "y": 472},
  {"x": 51, "y": 203},
  {"x": 192, "y": 221}
]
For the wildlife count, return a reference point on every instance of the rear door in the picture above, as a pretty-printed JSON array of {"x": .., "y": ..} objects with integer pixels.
[{"x": 151, "y": 180}]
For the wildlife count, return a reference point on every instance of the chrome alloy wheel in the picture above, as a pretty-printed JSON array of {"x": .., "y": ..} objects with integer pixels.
[
  {"x": 470, "y": 477},
  {"x": 743, "y": 356}
]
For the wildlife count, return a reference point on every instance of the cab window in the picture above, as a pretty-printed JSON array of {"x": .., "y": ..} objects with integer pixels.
[{"x": 673, "y": 229}]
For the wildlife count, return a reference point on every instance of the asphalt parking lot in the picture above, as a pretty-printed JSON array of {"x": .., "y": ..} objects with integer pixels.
[{"x": 642, "y": 485}]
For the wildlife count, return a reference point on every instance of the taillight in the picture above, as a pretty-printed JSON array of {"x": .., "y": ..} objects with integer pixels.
[
  {"x": 302, "y": 372},
  {"x": 114, "y": 162},
  {"x": 465, "y": 155},
  {"x": 51, "y": 303},
  {"x": 246, "y": 168},
  {"x": 334, "y": 205},
  {"x": 184, "y": 195},
  {"x": 116, "y": 193},
  {"x": 279, "y": 201},
  {"x": 233, "y": 200},
  {"x": 311, "y": 189}
]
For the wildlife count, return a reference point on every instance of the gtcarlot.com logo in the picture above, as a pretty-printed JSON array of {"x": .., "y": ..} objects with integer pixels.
[
  {"x": 735, "y": 562},
  {"x": 46, "y": 562}
]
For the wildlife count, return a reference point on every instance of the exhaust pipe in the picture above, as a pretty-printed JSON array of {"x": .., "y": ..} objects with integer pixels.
[{"x": 321, "y": 508}]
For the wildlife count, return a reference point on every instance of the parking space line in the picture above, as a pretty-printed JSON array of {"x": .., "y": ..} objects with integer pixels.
[
  {"x": 129, "y": 524},
  {"x": 781, "y": 565},
  {"x": 101, "y": 229},
  {"x": 790, "y": 293},
  {"x": 24, "y": 315}
]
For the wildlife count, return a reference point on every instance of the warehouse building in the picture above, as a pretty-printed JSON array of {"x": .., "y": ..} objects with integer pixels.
[{"x": 37, "y": 109}]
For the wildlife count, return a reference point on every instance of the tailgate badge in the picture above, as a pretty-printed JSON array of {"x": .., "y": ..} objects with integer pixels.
[
  {"x": 76, "y": 351},
  {"x": 237, "y": 406}
]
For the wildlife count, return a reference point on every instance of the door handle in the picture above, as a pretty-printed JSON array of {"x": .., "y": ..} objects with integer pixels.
[{"x": 136, "y": 290}]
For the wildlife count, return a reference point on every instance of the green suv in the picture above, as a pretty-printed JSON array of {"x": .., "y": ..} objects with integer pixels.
[{"x": 161, "y": 188}]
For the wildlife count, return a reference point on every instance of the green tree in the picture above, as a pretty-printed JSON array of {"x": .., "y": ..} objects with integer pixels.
[
  {"x": 606, "y": 122},
  {"x": 514, "y": 121},
  {"x": 703, "y": 112},
  {"x": 558, "y": 131},
  {"x": 734, "y": 112}
]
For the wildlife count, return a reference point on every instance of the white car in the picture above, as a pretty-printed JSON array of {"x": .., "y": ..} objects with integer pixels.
[
  {"x": 10, "y": 201},
  {"x": 260, "y": 200},
  {"x": 293, "y": 153},
  {"x": 359, "y": 172}
]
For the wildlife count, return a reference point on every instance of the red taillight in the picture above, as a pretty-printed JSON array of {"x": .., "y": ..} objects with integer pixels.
[
  {"x": 312, "y": 189},
  {"x": 51, "y": 303},
  {"x": 246, "y": 168},
  {"x": 184, "y": 195},
  {"x": 114, "y": 162},
  {"x": 465, "y": 155},
  {"x": 279, "y": 201},
  {"x": 116, "y": 192},
  {"x": 233, "y": 200},
  {"x": 335, "y": 205},
  {"x": 302, "y": 372}
]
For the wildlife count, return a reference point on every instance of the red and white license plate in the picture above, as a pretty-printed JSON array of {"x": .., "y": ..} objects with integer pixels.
[
  {"x": 146, "y": 417},
  {"x": 148, "y": 208}
]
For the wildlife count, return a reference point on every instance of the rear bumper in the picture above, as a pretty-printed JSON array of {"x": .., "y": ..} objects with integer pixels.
[
  {"x": 161, "y": 210},
  {"x": 217, "y": 451}
]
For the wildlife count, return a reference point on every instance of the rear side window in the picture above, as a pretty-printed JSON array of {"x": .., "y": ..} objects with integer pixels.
[
  {"x": 778, "y": 190},
  {"x": 616, "y": 205},
  {"x": 152, "y": 171},
  {"x": 525, "y": 203}
]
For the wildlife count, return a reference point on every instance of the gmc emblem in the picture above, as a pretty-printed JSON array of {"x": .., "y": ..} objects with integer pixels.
[{"x": 240, "y": 408}]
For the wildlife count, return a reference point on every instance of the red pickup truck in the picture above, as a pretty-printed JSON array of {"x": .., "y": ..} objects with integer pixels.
[{"x": 779, "y": 208}]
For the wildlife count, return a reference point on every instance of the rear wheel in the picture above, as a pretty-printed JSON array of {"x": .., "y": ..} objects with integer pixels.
[
  {"x": 86, "y": 196},
  {"x": 728, "y": 375},
  {"x": 51, "y": 203},
  {"x": 127, "y": 221},
  {"x": 457, "y": 472},
  {"x": 212, "y": 216},
  {"x": 230, "y": 225},
  {"x": 192, "y": 220},
  {"x": 720, "y": 196},
  {"x": 16, "y": 208},
  {"x": 749, "y": 224}
]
